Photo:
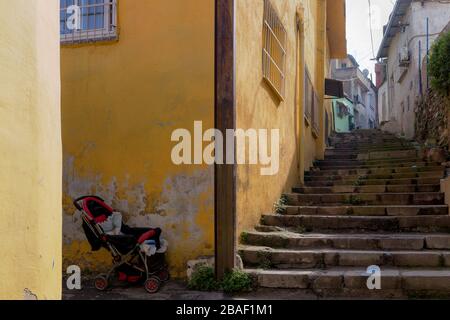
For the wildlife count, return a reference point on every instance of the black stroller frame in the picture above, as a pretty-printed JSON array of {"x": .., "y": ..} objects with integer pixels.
[{"x": 155, "y": 275}]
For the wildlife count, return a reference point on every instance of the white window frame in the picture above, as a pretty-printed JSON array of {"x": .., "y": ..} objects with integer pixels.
[{"x": 108, "y": 32}]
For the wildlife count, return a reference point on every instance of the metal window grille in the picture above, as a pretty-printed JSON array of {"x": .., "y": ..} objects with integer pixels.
[
  {"x": 309, "y": 97},
  {"x": 274, "y": 50},
  {"x": 98, "y": 21},
  {"x": 315, "y": 113},
  {"x": 311, "y": 103}
]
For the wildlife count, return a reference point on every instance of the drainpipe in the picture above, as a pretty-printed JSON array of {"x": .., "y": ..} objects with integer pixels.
[
  {"x": 320, "y": 74},
  {"x": 428, "y": 49},
  {"x": 420, "y": 69}
]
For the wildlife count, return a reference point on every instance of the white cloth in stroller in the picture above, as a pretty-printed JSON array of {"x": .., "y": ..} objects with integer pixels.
[
  {"x": 149, "y": 247},
  {"x": 113, "y": 224}
]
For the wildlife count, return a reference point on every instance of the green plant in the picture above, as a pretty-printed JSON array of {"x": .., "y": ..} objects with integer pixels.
[
  {"x": 300, "y": 229},
  {"x": 354, "y": 200},
  {"x": 265, "y": 260},
  {"x": 280, "y": 205},
  {"x": 203, "y": 279},
  {"x": 439, "y": 65},
  {"x": 244, "y": 238},
  {"x": 236, "y": 281}
]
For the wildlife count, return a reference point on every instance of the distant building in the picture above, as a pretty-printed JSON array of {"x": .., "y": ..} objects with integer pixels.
[
  {"x": 344, "y": 117},
  {"x": 359, "y": 90},
  {"x": 412, "y": 28}
]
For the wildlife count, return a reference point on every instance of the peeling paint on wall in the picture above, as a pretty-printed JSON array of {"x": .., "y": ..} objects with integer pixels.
[{"x": 183, "y": 210}]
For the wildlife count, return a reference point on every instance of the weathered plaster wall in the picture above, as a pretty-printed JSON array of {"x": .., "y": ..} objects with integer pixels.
[
  {"x": 121, "y": 102},
  {"x": 30, "y": 150},
  {"x": 403, "y": 83},
  {"x": 259, "y": 108}
]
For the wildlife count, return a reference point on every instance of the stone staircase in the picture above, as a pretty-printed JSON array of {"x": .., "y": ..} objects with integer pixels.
[{"x": 372, "y": 201}]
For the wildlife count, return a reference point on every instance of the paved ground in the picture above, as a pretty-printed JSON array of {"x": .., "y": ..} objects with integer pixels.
[{"x": 175, "y": 290}]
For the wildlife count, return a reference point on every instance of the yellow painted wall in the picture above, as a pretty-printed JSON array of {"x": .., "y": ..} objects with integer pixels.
[
  {"x": 121, "y": 102},
  {"x": 30, "y": 150},
  {"x": 258, "y": 107}
]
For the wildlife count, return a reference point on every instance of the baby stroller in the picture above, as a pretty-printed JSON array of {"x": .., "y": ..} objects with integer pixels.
[{"x": 132, "y": 263}]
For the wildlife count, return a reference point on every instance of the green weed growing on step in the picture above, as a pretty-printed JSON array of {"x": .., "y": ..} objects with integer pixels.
[
  {"x": 244, "y": 238},
  {"x": 236, "y": 281},
  {"x": 301, "y": 229},
  {"x": 359, "y": 182},
  {"x": 265, "y": 260},
  {"x": 280, "y": 205},
  {"x": 354, "y": 200},
  {"x": 203, "y": 279}
]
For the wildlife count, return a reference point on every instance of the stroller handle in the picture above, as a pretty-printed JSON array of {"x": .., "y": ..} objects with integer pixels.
[{"x": 75, "y": 202}]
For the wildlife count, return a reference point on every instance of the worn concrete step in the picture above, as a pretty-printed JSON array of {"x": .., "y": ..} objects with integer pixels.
[
  {"x": 369, "y": 189},
  {"x": 368, "y": 144},
  {"x": 352, "y": 282},
  {"x": 369, "y": 182},
  {"x": 404, "y": 175},
  {"x": 353, "y": 166},
  {"x": 257, "y": 256},
  {"x": 377, "y": 155},
  {"x": 353, "y": 151},
  {"x": 420, "y": 198},
  {"x": 367, "y": 210},
  {"x": 308, "y": 223},
  {"x": 358, "y": 163},
  {"x": 363, "y": 241},
  {"x": 366, "y": 171}
]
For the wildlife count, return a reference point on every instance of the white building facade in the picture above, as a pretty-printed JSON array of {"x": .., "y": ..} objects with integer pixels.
[
  {"x": 359, "y": 89},
  {"x": 408, "y": 37}
]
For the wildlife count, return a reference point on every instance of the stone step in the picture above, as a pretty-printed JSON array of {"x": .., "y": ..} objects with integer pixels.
[
  {"x": 257, "y": 256},
  {"x": 369, "y": 189},
  {"x": 353, "y": 151},
  {"x": 364, "y": 241},
  {"x": 422, "y": 198},
  {"x": 304, "y": 223},
  {"x": 374, "y": 155},
  {"x": 361, "y": 154},
  {"x": 376, "y": 161},
  {"x": 367, "y": 210},
  {"x": 403, "y": 175},
  {"x": 369, "y": 182},
  {"x": 368, "y": 145},
  {"x": 374, "y": 166},
  {"x": 352, "y": 282},
  {"x": 365, "y": 171}
]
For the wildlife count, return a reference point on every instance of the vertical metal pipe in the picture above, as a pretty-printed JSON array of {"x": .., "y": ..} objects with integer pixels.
[
  {"x": 420, "y": 68},
  {"x": 428, "y": 49}
]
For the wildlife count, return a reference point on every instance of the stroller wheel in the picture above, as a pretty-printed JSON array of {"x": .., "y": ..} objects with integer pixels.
[
  {"x": 163, "y": 275},
  {"x": 101, "y": 282},
  {"x": 152, "y": 285}
]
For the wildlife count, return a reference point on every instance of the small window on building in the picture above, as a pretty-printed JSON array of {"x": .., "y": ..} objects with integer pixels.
[
  {"x": 88, "y": 20},
  {"x": 343, "y": 65},
  {"x": 274, "y": 50}
]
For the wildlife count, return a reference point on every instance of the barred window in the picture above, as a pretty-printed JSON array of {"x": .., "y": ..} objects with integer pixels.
[
  {"x": 311, "y": 104},
  {"x": 274, "y": 50},
  {"x": 97, "y": 20},
  {"x": 309, "y": 97}
]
